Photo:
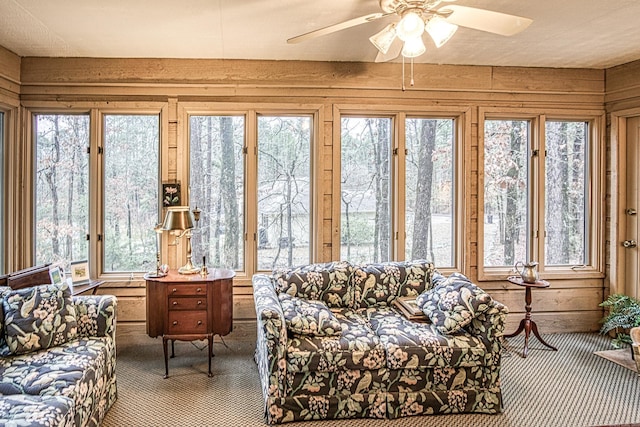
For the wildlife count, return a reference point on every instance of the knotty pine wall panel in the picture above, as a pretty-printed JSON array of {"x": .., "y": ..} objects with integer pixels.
[{"x": 567, "y": 305}]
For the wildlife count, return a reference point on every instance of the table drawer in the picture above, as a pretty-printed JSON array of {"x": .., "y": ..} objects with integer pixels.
[
  {"x": 188, "y": 322},
  {"x": 186, "y": 290},
  {"x": 188, "y": 303}
]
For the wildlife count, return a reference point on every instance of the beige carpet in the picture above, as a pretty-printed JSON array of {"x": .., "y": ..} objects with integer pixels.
[
  {"x": 571, "y": 387},
  {"x": 621, "y": 356}
]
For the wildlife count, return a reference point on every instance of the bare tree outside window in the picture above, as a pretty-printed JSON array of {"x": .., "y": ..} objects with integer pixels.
[
  {"x": 365, "y": 233},
  {"x": 284, "y": 191},
  {"x": 216, "y": 182},
  {"x": 506, "y": 189},
  {"x": 565, "y": 193},
  {"x": 62, "y": 193},
  {"x": 131, "y": 146},
  {"x": 430, "y": 190}
]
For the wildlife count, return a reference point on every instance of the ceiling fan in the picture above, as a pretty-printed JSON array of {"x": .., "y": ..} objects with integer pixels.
[{"x": 420, "y": 16}]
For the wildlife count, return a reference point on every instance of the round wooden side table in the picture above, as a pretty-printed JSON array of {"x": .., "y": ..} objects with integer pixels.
[{"x": 527, "y": 325}]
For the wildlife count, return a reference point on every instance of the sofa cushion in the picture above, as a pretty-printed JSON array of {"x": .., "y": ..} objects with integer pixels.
[
  {"x": 357, "y": 347},
  {"x": 413, "y": 345},
  {"x": 79, "y": 369},
  {"x": 308, "y": 317},
  {"x": 379, "y": 284},
  {"x": 36, "y": 411},
  {"x": 39, "y": 317},
  {"x": 453, "y": 303},
  {"x": 327, "y": 282}
]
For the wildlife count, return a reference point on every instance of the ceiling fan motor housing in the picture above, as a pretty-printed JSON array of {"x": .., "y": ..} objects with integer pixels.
[{"x": 399, "y": 6}]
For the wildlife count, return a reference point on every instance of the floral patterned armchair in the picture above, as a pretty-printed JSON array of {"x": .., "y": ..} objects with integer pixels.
[
  {"x": 376, "y": 363},
  {"x": 57, "y": 363}
]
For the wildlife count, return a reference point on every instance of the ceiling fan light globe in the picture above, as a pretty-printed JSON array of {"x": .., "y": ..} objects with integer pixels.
[
  {"x": 413, "y": 48},
  {"x": 410, "y": 26},
  {"x": 440, "y": 30},
  {"x": 382, "y": 40}
]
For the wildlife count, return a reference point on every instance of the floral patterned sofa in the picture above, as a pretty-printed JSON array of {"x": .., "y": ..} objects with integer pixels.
[
  {"x": 57, "y": 357},
  {"x": 331, "y": 344}
]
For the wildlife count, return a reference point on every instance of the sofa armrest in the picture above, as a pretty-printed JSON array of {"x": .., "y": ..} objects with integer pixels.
[
  {"x": 96, "y": 315},
  {"x": 489, "y": 326},
  {"x": 272, "y": 337}
]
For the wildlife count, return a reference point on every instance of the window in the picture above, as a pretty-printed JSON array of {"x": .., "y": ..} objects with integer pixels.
[
  {"x": 131, "y": 144},
  {"x": 2, "y": 190},
  {"x": 506, "y": 189},
  {"x": 398, "y": 197},
  {"x": 430, "y": 190},
  {"x": 96, "y": 182},
  {"x": 251, "y": 184},
  {"x": 284, "y": 191},
  {"x": 365, "y": 193},
  {"x": 566, "y": 193},
  {"x": 217, "y": 188},
  {"x": 62, "y": 187},
  {"x": 539, "y": 193}
]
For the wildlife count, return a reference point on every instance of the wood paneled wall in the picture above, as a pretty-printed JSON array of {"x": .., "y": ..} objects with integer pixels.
[{"x": 569, "y": 305}]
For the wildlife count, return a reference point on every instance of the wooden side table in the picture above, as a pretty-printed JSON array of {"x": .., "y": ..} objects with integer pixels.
[
  {"x": 189, "y": 307},
  {"x": 527, "y": 325}
]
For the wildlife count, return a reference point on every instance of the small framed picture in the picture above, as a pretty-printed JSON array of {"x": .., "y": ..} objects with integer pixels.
[
  {"x": 80, "y": 272},
  {"x": 55, "y": 274}
]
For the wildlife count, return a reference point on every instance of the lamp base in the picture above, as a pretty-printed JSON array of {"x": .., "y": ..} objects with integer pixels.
[{"x": 188, "y": 269}]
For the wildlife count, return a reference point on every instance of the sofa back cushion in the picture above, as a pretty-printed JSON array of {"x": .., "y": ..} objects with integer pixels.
[
  {"x": 326, "y": 282},
  {"x": 39, "y": 317},
  {"x": 379, "y": 284}
]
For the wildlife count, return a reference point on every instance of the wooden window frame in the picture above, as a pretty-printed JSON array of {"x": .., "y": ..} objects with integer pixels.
[
  {"x": 595, "y": 204},
  {"x": 251, "y": 112},
  {"x": 461, "y": 173},
  {"x": 96, "y": 112}
]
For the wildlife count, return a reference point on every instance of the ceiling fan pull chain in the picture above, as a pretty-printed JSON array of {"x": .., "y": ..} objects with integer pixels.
[
  {"x": 403, "y": 87},
  {"x": 412, "y": 72}
]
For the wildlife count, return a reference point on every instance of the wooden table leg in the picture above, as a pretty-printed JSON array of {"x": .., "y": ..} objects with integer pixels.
[
  {"x": 166, "y": 359},
  {"x": 527, "y": 325},
  {"x": 210, "y": 342}
]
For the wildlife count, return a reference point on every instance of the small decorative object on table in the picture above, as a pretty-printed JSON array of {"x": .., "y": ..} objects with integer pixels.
[
  {"x": 159, "y": 272},
  {"x": 56, "y": 275},
  {"x": 80, "y": 272},
  {"x": 204, "y": 271}
]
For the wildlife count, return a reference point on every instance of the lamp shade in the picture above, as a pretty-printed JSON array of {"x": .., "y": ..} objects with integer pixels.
[
  {"x": 178, "y": 218},
  {"x": 440, "y": 30},
  {"x": 384, "y": 38},
  {"x": 413, "y": 48},
  {"x": 411, "y": 26}
]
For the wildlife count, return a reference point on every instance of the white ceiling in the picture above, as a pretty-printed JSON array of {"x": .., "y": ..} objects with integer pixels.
[{"x": 564, "y": 33}]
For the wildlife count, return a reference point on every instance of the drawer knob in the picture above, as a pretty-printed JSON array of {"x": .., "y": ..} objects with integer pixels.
[
  {"x": 199, "y": 302},
  {"x": 174, "y": 290},
  {"x": 199, "y": 290},
  {"x": 175, "y": 303},
  {"x": 199, "y": 322},
  {"x": 175, "y": 322}
]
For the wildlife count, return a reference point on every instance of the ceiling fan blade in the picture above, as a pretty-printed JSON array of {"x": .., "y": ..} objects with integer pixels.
[
  {"x": 392, "y": 53},
  {"x": 485, "y": 20},
  {"x": 337, "y": 27}
]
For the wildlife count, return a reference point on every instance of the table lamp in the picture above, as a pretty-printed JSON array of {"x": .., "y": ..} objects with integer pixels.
[{"x": 180, "y": 221}]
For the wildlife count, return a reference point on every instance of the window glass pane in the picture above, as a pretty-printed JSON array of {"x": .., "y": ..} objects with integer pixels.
[
  {"x": 216, "y": 183},
  {"x": 2, "y": 192},
  {"x": 131, "y": 144},
  {"x": 430, "y": 190},
  {"x": 565, "y": 193},
  {"x": 365, "y": 224},
  {"x": 284, "y": 191},
  {"x": 62, "y": 178},
  {"x": 505, "y": 191}
]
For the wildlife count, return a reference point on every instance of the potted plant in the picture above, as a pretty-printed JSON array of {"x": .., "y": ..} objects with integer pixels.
[{"x": 624, "y": 314}]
